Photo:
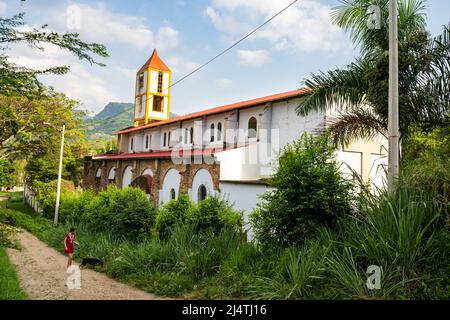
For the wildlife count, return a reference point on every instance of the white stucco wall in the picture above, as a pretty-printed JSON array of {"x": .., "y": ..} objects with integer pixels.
[
  {"x": 171, "y": 181},
  {"x": 127, "y": 175},
  {"x": 202, "y": 176},
  {"x": 243, "y": 197},
  {"x": 147, "y": 171}
]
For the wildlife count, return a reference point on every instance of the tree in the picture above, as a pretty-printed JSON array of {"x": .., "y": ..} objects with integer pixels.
[
  {"x": 30, "y": 126},
  {"x": 309, "y": 192},
  {"x": 17, "y": 80},
  {"x": 360, "y": 91}
]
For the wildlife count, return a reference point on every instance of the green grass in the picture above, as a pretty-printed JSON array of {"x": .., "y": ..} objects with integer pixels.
[
  {"x": 397, "y": 233},
  {"x": 9, "y": 284}
]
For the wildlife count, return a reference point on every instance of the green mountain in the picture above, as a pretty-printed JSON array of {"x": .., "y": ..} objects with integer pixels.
[{"x": 113, "y": 117}]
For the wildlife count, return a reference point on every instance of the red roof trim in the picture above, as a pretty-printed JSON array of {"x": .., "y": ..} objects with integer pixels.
[
  {"x": 159, "y": 154},
  {"x": 236, "y": 105}
]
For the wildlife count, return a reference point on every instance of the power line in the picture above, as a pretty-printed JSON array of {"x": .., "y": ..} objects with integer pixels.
[
  {"x": 235, "y": 44},
  {"x": 229, "y": 48}
]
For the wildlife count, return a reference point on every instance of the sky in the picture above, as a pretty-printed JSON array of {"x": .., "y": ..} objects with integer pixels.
[{"x": 300, "y": 41}]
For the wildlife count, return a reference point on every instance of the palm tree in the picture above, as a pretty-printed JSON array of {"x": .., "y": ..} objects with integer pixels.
[{"x": 359, "y": 91}]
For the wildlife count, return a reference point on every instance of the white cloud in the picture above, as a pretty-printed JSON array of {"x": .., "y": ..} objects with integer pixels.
[
  {"x": 254, "y": 58},
  {"x": 3, "y": 8},
  {"x": 224, "y": 83},
  {"x": 92, "y": 85},
  {"x": 181, "y": 66},
  {"x": 98, "y": 23},
  {"x": 306, "y": 26}
]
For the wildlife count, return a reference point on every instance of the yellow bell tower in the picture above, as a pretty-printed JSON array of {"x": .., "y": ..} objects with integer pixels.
[{"x": 152, "y": 97}]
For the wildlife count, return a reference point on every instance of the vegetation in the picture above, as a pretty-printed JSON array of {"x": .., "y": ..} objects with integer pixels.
[
  {"x": 172, "y": 252},
  {"x": 9, "y": 284},
  {"x": 360, "y": 91},
  {"x": 16, "y": 80},
  {"x": 309, "y": 192}
]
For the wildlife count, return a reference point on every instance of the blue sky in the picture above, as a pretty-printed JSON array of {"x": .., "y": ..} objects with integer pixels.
[{"x": 188, "y": 33}]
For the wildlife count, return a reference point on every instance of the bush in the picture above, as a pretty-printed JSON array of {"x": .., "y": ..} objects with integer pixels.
[
  {"x": 215, "y": 213},
  {"x": 126, "y": 212},
  {"x": 133, "y": 214},
  {"x": 46, "y": 194},
  {"x": 172, "y": 213},
  {"x": 309, "y": 192}
]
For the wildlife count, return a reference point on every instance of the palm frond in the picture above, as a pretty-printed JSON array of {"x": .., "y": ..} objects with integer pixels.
[
  {"x": 353, "y": 16},
  {"x": 341, "y": 88},
  {"x": 357, "y": 124}
]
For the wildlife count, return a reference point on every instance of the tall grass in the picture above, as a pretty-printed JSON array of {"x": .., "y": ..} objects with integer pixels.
[
  {"x": 299, "y": 270},
  {"x": 9, "y": 284}
]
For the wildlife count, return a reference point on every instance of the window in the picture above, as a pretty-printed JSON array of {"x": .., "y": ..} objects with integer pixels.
[
  {"x": 192, "y": 135},
  {"x": 252, "y": 125},
  {"x": 158, "y": 103},
  {"x": 168, "y": 142},
  {"x": 140, "y": 103},
  {"x": 219, "y": 131},
  {"x": 146, "y": 142},
  {"x": 212, "y": 132},
  {"x": 150, "y": 142},
  {"x": 201, "y": 193},
  {"x": 131, "y": 144},
  {"x": 160, "y": 82},
  {"x": 186, "y": 133},
  {"x": 172, "y": 194},
  {"x": 141, "y": 81},
  {"x": 164, "y": 139}
]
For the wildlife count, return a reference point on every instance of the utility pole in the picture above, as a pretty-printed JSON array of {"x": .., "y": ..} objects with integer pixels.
[
  {"x": 393, "y": 115},
  {"x": 58, "y": 190}
]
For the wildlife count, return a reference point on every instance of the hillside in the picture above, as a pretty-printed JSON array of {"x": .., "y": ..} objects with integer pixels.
[{"x": 113, "y": 117}]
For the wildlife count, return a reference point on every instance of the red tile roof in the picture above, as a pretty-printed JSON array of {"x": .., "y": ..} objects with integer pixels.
[
  {"x": 228, "y": 107},
  {"x": 154, "y": 62}
]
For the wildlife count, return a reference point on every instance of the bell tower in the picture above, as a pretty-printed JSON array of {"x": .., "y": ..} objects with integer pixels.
[{"x": 152, "y": 96}]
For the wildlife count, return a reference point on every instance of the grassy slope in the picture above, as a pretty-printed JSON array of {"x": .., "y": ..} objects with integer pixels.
[{"x": 9, "y": 284}]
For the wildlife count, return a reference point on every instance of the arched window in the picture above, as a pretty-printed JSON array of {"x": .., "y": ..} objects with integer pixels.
[
  {"x": 164, "y": 139},
  {"x": 146, "y": 142},
  {"x": 172, "y": 194},
  {"x": 160, "y": 82},
  {"x": 131, "y": 144},
  {"x": 201, "y": 193},
  {"x": 192, "y": 135},
  {"x": 98, "y": 174},
  {"x": 219, "y": 131},
  {"x": 252, "y": 127},
  {"x": 168, "y": 139},
  {"x": 212, "y": 132},
  {"x": 186, "y": 133}
]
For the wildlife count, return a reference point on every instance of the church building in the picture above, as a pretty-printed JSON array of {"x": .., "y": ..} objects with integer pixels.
[{"x": 230, "y": 149}]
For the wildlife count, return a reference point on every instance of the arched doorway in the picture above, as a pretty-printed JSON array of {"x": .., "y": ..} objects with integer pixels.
[
  {"x": 171, "y": 186},
  {"x": 144, "y": 183},
  {"x": 201, "y": 193},
  {"x": 127, "y": 176},
  {"x": 202, "y": 185}
]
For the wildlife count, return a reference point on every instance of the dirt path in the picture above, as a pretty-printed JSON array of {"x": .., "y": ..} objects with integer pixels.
[{"x": 42, "y": 274}]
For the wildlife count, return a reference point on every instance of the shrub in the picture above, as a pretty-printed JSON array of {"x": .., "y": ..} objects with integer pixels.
[
  {"x": 73, "y": 206},
  {"x": 46, "y": 194},
  {"x": 215, "y": 213},
  {"x": 309, "y": 192},
  {"x": 126, "y": 212},
  {"x": 132, "y": 213},
  {"x": 173, "y": 212}
]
